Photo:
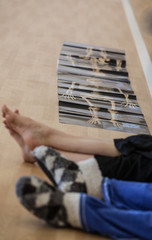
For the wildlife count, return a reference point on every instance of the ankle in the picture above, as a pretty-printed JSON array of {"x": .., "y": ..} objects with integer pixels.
[
  {"x": 92, "y": 176},
  {"x": 71, "y": 201}
]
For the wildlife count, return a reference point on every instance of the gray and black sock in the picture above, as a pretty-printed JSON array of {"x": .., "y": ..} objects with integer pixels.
[
  {"x": 58, "y": 209},
  {"x": 67, "y": 175}
]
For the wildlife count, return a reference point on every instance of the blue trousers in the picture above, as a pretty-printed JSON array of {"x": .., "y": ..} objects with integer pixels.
[{"x": 124, "y": 213}]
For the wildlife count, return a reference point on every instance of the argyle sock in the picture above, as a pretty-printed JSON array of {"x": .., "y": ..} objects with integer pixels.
[
  {"x": 58, "y": 209},
  {"x": 67, "y": 175}
]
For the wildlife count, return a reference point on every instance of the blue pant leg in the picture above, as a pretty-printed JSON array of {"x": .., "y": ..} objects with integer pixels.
[
  {"x": 107, "y": 220},
  {"x": 129, "y": 195}
]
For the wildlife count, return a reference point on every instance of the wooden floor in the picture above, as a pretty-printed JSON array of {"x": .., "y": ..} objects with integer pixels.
[{"x": 31, "y": 36}]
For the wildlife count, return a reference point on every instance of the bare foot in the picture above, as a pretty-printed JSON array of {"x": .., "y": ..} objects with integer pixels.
[
  {"x": 26, "y": 152},
  {"x": 32, "y": 133}
]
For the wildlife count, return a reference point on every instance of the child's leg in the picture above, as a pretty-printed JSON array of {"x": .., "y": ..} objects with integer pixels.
[
  {"x": 127, "y": 195},
  {"x": 84, "y": 176},
  {"x": 35, "y": 134},
  {"x": 82, "y": 211},
  {"x": 76, "y": 157},
  {"x": 107, "y": 220}
]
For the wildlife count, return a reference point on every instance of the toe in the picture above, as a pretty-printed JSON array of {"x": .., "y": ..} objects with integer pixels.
[
  {"x": 16, "y": 111},
  {"x": 5, "y": 110}
]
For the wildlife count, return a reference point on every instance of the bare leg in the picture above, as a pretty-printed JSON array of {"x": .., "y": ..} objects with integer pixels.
[
  {"x": 36, "y": 134},
  {"x": 28, "y": 154},
  {"x": 76, "y": 157}
]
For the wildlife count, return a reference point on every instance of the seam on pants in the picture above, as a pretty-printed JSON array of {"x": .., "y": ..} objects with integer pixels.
[
  {"x": 105, "y": 190},
  {"x": 83, "y": 212}
]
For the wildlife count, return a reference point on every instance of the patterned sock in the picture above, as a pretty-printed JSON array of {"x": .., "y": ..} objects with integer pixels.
[
  {"x": 67, "y": 175},
  {"x": 58, "y": 209}
]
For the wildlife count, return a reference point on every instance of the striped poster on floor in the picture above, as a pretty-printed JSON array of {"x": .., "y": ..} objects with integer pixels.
[{"x": 94, "y": 89}]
